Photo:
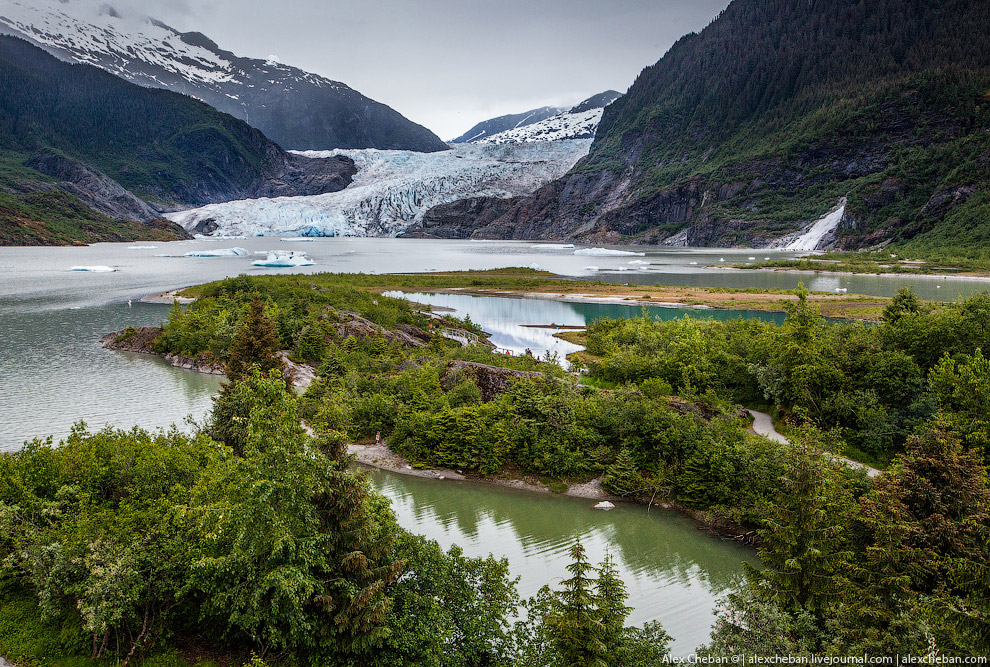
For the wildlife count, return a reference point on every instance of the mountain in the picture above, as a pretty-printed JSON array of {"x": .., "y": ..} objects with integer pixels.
[
  {"x": 579, "y": 122},
  {"x": 778, "y": 115},
  {"x": 492, "y": 126},
  {"x": 79, "y": 144},
  {"x": 296, "y": 109},
  {"x": 393, "y": 190},
  {"x": 543, "y": 124}
]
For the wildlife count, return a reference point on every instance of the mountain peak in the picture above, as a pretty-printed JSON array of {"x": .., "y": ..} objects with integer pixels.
[{"x": 319, "y": 114}]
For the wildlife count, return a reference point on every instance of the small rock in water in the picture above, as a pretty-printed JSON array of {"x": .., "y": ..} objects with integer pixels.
[{"x": 605, "y": 505}]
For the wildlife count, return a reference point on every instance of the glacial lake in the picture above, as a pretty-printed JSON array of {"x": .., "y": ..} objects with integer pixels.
[{"x": 55, "y": 373}]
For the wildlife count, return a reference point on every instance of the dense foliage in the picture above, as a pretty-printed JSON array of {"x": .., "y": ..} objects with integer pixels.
[
  {"x": 874, "y": 383},
  {"x": 778, "y": 109},
  {"x": 128, "y": 545}
]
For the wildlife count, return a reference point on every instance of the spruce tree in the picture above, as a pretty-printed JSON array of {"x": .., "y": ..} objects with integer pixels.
[
  {"x": 575, "y": 627},
  {"x": 255, "y": 344},
  {"x": 805, "y": 542},
  {"x": 612, "y": 611}
]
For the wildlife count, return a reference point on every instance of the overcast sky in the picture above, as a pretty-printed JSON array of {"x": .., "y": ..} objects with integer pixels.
[{"x": 449, "y": 64}]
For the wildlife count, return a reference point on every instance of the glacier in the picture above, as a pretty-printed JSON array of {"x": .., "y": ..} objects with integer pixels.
[
  {"x": 394, "y": 189},
  {"x": 563, "y": 126}
]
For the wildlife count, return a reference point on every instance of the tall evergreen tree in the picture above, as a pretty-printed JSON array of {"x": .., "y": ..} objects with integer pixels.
[
  {"x": 805, "y": 541},
  {"x": 576, "y": 627},
  {"x": 255, "y": 344}
]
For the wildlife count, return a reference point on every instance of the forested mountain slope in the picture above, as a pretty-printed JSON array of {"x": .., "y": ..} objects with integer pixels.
[
  {"x": 123, "y": 152},
  {"x": 761, "y": 123},
  {"x": 295, "y": 108}
]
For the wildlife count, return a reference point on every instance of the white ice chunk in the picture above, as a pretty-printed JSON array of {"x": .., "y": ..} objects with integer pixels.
[
  {"x": 93, "y": 269},
  {"x": 219, "y": 252},
  {"x": 280, "y": 258},
  {"x": 607, "y": 252}
]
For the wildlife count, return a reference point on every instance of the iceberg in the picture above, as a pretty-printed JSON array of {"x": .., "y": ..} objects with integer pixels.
[
  {"x": 607, "y": 252},
  {"x": 639, "y": 261},
  {"x": 93, "y": 269},
  {"x": 591, "y": 268},
  {"x": 299, "y": 239},
  {"x": 219, "y": 252},
  {"x": 553, "y": 246},
  {"x": 142, "y": 247},
  {"x": 279, "y": 259}
]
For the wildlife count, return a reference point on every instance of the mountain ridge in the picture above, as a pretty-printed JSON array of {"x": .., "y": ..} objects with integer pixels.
[
  {"x": 750, "y": 130},
  {"x": 318, "y": 114},
  {"x": 96, "y": 149}
]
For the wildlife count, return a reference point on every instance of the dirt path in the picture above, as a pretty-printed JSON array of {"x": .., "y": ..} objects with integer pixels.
[{"x": 763, "y": 426}]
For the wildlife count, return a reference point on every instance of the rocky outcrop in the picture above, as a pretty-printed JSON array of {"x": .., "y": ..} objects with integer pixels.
[
  {"x": 345, "y": 324},
  {"x": 492, "y": 381},
  {"x": 93, "y": 188},
  {"x": 460, "y": 219},
  {"x": 142, "y": 340}
]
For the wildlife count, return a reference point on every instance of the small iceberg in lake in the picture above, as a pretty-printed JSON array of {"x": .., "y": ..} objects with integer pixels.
[
  {"x": 283, "y": 259},
  {"x": 591, "y": 268},
  {"x": 607, "y": 252},
  {"x": 639, "y": 261},
  {"x": 299, "y": 239},
  {"x": 219, "y": 252},
  {"x": 553, "y": 246},
  {"x": 142, "y": 247},
  {"x": 93, "y": 269},
  {"x": 535, "y": 266}
]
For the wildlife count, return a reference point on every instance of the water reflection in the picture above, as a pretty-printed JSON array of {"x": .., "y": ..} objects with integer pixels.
[
  {"x": 674, "y": 571},
  {"x": 505, "y": 317}
]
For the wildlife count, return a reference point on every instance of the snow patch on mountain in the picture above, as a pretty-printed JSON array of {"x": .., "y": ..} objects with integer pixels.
[
  {"x": 394, "y": 189},
  {"x": 564, "y": 126}
]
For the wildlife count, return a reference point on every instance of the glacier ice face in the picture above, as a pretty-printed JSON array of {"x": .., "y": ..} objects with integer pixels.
[{"x": 394, "y": 189}]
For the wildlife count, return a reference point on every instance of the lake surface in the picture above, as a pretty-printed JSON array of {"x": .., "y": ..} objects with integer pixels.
[
  {"x": 509, "y": 321},
  {"x": 54, "y": 373}
]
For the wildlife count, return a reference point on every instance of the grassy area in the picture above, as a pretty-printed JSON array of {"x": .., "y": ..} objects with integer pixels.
[
  {"x": 521, "y": 281},
  {"x": 890, "y": 261}
]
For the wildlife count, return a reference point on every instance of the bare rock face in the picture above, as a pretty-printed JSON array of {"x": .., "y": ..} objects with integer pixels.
[
  {"x": 352, "y": 324},
  {"x": 94, "y": 188},
  {"x": 491, "y": 380}
]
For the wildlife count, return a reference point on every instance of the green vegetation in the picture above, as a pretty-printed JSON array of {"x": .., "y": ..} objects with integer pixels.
[
  {"x": 132, "y": 548},
  {"x": 160, "y": 145},
  {"x": 778, "y": 109},
  {"x": 252, "y": 536}
]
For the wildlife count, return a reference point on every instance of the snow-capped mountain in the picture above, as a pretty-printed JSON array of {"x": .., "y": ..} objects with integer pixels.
[
  {"x": 392, "y": 190},
  {"x": 297, "y": 109},
  {"x": 492, "y": 126},
  {"x": 579, "y": 122}
]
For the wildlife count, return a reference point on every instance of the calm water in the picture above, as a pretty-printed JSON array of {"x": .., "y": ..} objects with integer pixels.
[
  {"x": 505, "y": 319},
  {"x": 674, "y": 571},
  {"x": 54, "y": 373}
]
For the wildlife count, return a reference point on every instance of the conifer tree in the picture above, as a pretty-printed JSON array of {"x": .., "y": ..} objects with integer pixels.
[
  {"x": 575, "y": 627},
  {"x": 805, "y": 543},
  {"x": 255, "y": 344},
  {"x": 612, "y": 610}
]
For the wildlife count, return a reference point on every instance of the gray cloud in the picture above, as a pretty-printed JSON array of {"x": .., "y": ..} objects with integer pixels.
[{"x": 450, "y": 63}]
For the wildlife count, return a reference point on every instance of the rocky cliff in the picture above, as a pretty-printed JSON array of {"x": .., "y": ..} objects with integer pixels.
[{"x": 752, "y": 130}]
